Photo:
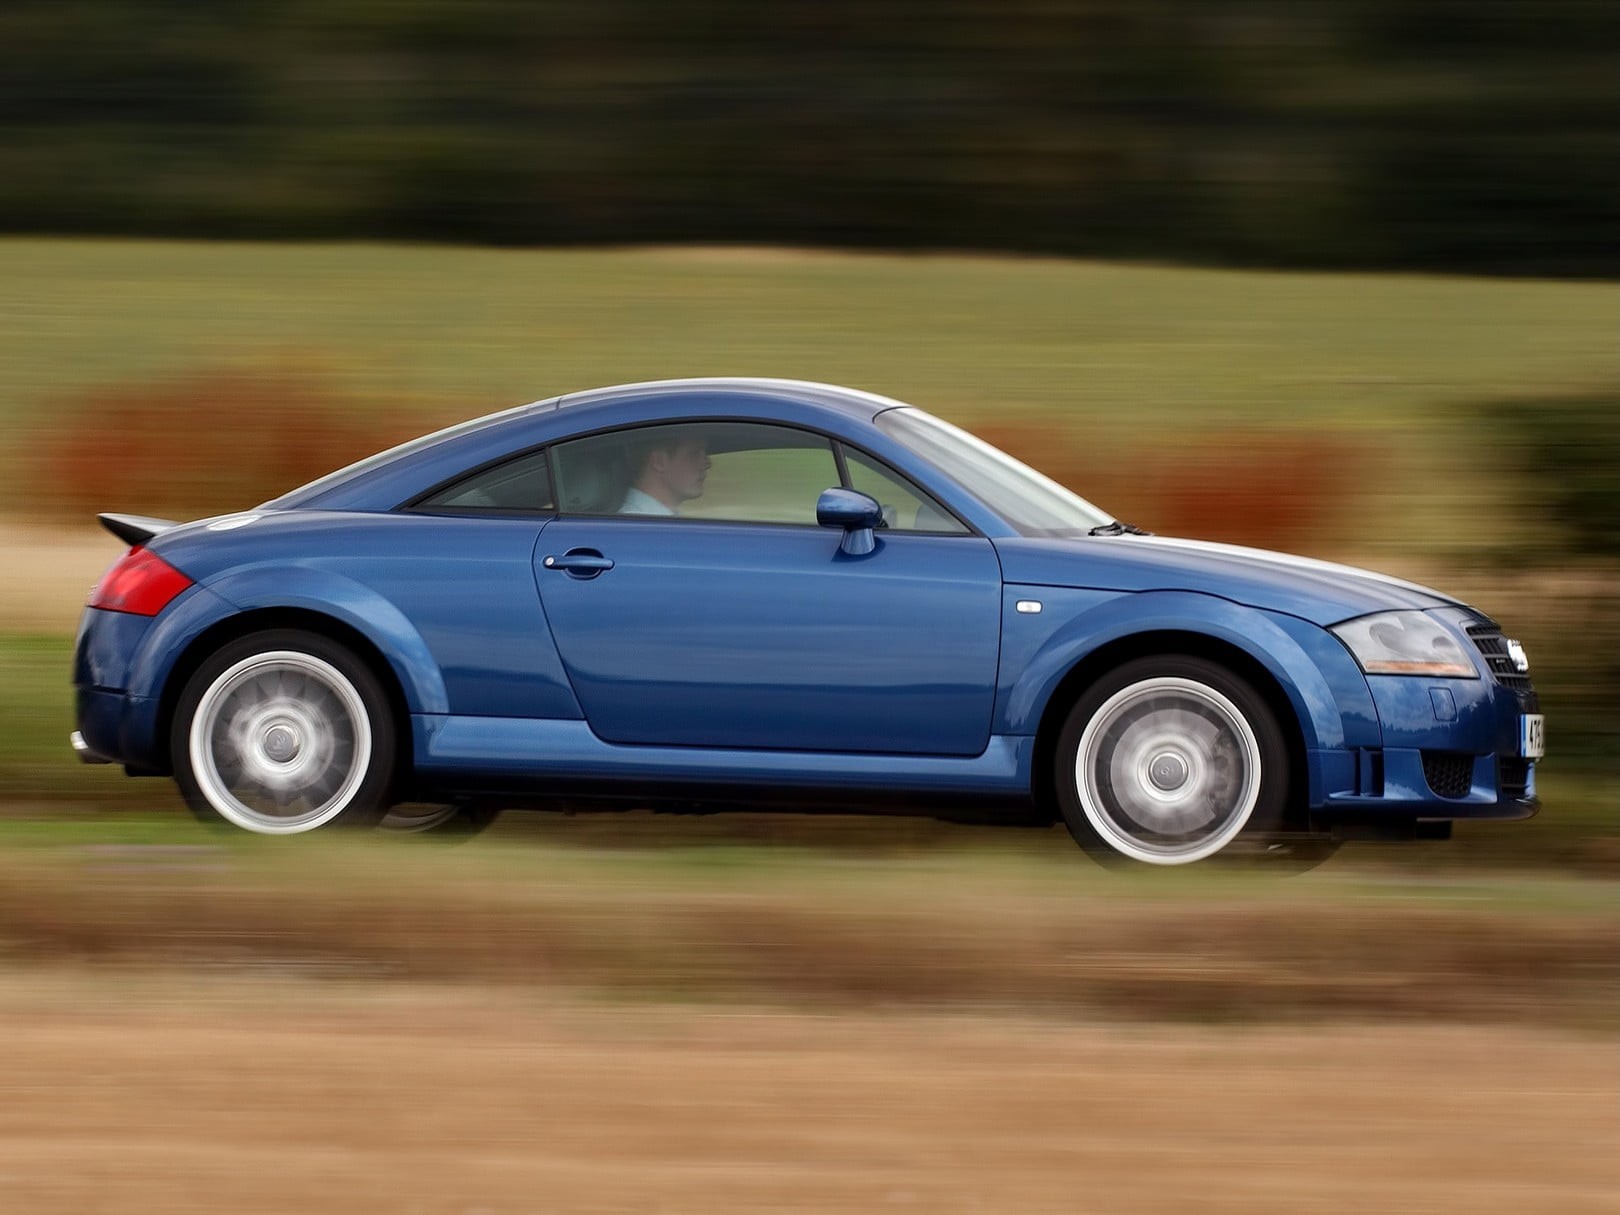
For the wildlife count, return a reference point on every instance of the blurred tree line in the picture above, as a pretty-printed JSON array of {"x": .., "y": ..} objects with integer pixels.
[{"x": 1480, "y": 135}]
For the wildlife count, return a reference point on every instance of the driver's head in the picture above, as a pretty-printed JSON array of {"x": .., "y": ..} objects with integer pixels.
[{"x": 672, "y": 466}]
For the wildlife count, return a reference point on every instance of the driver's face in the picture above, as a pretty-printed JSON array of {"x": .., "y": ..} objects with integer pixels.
[{"x": 685, "y": 466}]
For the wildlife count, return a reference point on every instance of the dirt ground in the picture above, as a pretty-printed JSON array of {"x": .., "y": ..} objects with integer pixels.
[
  {"x": 54, "y": 568},
  {"x": 225, "y": 1093}
]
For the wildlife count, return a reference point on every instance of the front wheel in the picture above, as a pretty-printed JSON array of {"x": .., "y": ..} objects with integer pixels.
[
  {"x": 1169, "y": 760},
  {"x": 282, "y": 732}
]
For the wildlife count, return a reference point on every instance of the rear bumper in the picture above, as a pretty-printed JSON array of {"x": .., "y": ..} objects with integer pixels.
[
  {"x": 116, "y": 728},
  {"x": 101, "y": 724},
  {"x": 83, "y": 751},
  {"x": 116, "y": 657}
]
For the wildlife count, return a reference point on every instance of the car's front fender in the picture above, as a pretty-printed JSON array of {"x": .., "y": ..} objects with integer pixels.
[{"x": 1329, "y": 697}]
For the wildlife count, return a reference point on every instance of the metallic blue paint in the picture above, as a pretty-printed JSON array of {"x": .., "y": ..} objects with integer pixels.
[
  {"x": 847, "y": 508},
  {"x": 734, "y": 635},
  {"x": 1027, "y": 691},
  {"x": 1347, "y": 686},
  {"x": 104, "y": 647},
  {"x": 448, "y": 600},
  {"x": 858, "y": 514},
  {"x": 518, "y": 753},
  {"x": 1406, "y": 791},
  {"x": 761, "y": 657},
  {"x": 1318, "y": 591},
  {"x": 1334, "y": 773},
  {"x": 1485, "y": 721},
  {"x": 100, "y": 716}
]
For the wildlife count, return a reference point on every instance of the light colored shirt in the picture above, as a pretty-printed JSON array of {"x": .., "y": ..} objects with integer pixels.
[{"x": 639, "y": 502}]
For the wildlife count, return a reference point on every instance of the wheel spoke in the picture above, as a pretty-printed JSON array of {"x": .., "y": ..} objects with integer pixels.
[{"x": 327, "y": 784}]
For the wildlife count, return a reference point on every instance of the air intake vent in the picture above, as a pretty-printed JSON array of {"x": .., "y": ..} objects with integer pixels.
[
  {"x": 1512, "y": 778},
  {"x": 1449, "y": 773}
]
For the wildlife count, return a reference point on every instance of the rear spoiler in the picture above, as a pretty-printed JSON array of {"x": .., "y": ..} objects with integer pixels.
[{"x": 135, "y": 529}]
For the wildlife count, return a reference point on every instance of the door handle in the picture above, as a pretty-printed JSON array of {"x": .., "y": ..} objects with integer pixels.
[{"x": 579, "y": 563}]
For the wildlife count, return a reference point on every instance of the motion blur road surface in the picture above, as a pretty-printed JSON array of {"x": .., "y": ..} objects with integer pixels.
[{"x": 275, "y": 1094}]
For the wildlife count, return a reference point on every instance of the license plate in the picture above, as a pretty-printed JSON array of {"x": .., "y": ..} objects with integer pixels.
[{"x": 1532, "y": 735}]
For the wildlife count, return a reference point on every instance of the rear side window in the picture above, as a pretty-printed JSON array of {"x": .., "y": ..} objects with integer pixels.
[{"x": 522, "y": 485}]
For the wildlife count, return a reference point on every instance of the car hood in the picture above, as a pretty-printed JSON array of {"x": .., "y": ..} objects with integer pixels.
[{"x": 1318, "y": 591}]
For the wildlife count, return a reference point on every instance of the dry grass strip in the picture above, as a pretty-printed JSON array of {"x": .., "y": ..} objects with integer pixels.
[{"x": 839, "y": 939}]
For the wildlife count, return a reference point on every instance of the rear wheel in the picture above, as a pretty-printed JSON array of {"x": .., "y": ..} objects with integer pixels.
[
  {"x": 1171, "y": 760},
  {"x": 282, "y": 732}
]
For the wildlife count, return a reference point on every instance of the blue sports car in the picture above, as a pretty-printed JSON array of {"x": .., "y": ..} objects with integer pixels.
[{"x": 708, "y": 594}]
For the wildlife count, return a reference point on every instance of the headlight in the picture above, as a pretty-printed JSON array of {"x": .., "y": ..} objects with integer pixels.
[{"x": 1404, "y": 643}]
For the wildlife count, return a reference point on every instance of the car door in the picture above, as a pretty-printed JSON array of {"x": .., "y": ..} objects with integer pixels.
[{"x": 739, "y": 622}]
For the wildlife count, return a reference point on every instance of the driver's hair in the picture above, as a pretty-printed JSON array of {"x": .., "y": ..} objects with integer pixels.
[{"x": 644, "y": 442}]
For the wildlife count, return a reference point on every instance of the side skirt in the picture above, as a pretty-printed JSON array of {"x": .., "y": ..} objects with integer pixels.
[{"x": 543, "y": 762}]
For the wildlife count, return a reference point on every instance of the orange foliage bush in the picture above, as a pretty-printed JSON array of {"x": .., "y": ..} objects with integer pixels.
[
  {"x": 225, "y": 439},
  {"x": 202, "y": 443},
  {"x": 1269, "y": 489}
]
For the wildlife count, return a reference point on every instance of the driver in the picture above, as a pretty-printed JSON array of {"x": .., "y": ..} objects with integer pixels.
[{"x": 670, "y": 470}]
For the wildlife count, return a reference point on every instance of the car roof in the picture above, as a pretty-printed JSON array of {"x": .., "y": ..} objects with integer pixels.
[
  {"x": 847, "y": 402},
  {"x": 383, "y": 480}
]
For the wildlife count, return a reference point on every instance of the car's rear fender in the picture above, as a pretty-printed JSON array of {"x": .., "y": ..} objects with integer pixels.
[
  {"x": 294, "y": 588},
  {"x": 1327, "y": 696}
]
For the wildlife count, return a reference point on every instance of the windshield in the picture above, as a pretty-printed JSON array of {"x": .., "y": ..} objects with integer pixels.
[{"x": 1032, "y": 503}]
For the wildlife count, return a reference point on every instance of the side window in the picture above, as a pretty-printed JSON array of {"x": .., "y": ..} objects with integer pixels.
[
  {"x": 522, "y": 484},
  {"x": 905, "y": 507},
  {"x": 746, "y": 472}
]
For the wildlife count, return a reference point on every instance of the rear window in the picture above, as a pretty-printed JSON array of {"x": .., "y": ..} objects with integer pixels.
[{"x": 522, "y": 485}]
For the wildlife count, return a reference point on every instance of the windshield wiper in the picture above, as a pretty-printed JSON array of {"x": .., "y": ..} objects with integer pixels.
[{"x": 1116, "y": 528}]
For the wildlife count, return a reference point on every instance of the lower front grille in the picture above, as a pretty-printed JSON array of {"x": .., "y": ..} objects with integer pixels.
[
  {"x": 1449, "y": 773},
  {"x": 1512, "y": 778}
]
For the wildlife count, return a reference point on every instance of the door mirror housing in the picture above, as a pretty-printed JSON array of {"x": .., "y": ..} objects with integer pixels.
[{"x": 856, "y": 513}]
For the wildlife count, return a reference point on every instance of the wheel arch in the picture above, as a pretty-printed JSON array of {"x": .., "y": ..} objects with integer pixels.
[
  {"x": 1115, "y": 653},
  {"x": 258, "y": 620}
]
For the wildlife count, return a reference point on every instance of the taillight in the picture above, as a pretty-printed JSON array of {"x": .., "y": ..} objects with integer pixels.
[{"x": 141, "y": 583}]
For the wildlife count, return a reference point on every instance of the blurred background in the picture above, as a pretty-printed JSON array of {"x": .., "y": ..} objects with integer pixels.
[{"x": 1335, "y": 277}]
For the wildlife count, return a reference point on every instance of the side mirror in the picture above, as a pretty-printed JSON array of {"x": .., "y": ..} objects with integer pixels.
[{"x": 856, "y": 513}]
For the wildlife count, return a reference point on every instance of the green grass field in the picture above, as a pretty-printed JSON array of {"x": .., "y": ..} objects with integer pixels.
[
  {"x": 1126, "y": 363},
  {"x": 1100, "y": 347}
]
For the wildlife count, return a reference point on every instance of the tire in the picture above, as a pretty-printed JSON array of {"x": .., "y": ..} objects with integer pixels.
[
  {"x": 451, "y": 824},
  {"x": 1170, "y": 760},
  {"x": 282, "y": 732}
]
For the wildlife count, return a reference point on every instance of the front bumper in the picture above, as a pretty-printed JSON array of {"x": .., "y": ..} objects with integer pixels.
[
  {"x": 1451, "y": 750},
  {"x": 1400, "y": 781}
]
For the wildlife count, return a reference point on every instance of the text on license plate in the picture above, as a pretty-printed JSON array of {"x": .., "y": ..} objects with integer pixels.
[{"x": 1532, "y": 735}]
